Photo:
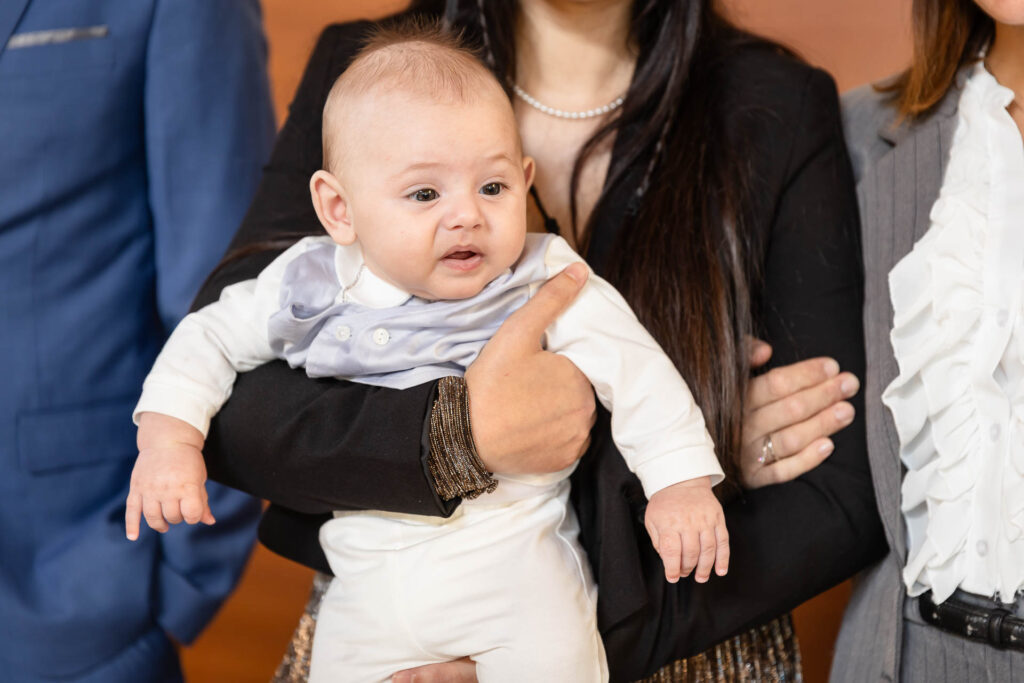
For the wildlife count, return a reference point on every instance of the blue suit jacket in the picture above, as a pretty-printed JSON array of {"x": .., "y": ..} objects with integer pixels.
[{"x": 128, "y": 155}]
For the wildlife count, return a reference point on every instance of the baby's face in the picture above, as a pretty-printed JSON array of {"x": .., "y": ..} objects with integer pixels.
[{"x": 436, "y": 192}]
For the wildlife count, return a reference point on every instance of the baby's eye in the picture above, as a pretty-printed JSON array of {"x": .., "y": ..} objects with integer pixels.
[
  {"x": 491, "y": 189},
  {"x": 424, "y": 195}
]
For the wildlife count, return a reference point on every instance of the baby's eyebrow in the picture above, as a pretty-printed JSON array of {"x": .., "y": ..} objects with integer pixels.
[
  {"x": 420, "y": 166},
  {"x": 500, "y": 156},
  {"x": 503, "y": 157},
  {"x": 414, "y": 168}
]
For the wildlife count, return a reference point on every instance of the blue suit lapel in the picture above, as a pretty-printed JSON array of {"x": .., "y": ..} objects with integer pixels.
[{"x": 11, "y": 12}]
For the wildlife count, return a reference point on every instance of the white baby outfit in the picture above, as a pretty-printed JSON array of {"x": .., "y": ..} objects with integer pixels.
[{"x": 503, "y": 580}]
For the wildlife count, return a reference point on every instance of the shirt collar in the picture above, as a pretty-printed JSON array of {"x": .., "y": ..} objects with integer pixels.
[
  {"x": 995, "y": 96},
  {"x": 359, "y": 285}
]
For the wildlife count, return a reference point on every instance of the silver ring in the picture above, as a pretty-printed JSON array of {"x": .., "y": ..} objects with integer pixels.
[{"x": 767, "y": 451}]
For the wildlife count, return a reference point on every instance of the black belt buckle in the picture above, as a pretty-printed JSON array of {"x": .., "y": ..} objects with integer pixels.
[{"x": 997, "y": 627}]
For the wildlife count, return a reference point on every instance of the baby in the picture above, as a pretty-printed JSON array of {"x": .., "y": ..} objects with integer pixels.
[{"x": 423, "y": 199}]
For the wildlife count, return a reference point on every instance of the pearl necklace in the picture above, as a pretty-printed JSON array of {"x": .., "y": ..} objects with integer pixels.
[{"x": 551, "y": 111}]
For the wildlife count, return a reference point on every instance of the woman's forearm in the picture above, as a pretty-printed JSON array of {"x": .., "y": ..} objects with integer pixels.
[{"x": 320, "y": 445}]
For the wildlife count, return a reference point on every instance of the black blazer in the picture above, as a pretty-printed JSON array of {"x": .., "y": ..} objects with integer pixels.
[{"x": 312, "y": 446}]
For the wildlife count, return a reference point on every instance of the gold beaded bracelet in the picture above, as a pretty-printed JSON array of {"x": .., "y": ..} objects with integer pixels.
[{"x": 453, "y": 460}]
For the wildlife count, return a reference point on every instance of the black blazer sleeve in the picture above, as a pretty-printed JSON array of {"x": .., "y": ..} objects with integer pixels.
[
  {"x": 794, "y": 540},
  {"x": 313, "y": 446}
]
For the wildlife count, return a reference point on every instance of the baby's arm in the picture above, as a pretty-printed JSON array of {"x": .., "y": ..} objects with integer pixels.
[
  {"x": 190, "y": 381},
  {"x": 655, "y": 422}
]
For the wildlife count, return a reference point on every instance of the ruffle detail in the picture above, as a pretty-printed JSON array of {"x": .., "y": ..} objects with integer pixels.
[
  {"x": 938, "y": 297},
  {"x": 1015, "y": 485}
]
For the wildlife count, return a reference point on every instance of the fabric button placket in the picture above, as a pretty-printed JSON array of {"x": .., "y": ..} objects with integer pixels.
[{"x": 1004, "y": 248}]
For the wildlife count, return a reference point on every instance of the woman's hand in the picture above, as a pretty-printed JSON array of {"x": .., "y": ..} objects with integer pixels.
[
  {"x": 789, "y": 413},
  {"x": 531, "y": 410}
]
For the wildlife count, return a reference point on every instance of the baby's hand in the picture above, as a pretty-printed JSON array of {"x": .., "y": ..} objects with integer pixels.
[
  {"x": 687, "y": 527},
  {"x": 167, "y": 485}
]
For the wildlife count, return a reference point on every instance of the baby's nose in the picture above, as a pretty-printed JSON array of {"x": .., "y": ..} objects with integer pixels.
[{"x": 464, "y": 214}]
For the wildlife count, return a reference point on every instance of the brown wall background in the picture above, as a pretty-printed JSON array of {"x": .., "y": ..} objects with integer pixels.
[{"x": 857, "y": 42}]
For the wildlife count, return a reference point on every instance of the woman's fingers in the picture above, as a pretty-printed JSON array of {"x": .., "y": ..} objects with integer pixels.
[
  {"x": 819, "y": 404},
  {"x": 523, "y": 330},
  {"x": 795, "y": 449},
  {"x": 795, "y": 438},
  {"x": 759, "y": 352},
  {"x": 797, "y": 424},
  {"x": 780, "y": 383},
  {"x": 787, "y": 469}
]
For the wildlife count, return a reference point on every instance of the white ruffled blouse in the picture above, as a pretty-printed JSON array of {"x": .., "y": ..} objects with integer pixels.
[{"x": 958, "y": 336}]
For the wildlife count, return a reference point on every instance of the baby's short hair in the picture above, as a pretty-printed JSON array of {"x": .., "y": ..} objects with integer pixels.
[{"x": 418, "y": 56}]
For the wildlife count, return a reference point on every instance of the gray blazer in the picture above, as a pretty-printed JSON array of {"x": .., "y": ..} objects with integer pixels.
[{"x": 899, "y": 171}]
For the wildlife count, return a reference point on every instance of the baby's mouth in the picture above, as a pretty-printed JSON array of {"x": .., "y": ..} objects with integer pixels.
[{"x": 462, "y": 258}]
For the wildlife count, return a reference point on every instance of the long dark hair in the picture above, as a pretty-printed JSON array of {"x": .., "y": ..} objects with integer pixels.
[
  {"x": 686, "y": 261},
  {"x": 948, "y": 34}
]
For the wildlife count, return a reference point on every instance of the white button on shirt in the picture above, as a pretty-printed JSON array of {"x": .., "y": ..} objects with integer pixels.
[
  {"x": 958, "y": 336},
  {"x": 381, "y": 336},
  {"x": 343, "y": 333}
]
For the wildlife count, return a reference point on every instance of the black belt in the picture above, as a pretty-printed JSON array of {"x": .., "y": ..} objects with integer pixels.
[{"x": 995, "y": 626}]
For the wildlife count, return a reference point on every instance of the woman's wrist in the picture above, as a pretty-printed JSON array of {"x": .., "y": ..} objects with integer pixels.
[{"x": 453, "y": 460}]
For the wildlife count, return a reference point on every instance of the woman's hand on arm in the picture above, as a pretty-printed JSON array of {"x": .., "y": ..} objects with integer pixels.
[
  {"x": 798, "y": 407},
  {"x": 531, "y": 409}
]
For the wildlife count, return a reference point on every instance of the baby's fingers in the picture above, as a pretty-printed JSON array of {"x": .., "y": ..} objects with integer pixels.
[
  {"x": 195, "y": 507},
  {"x": 691, "y": 550},
  {"x": 669, "y": 547},
  {"x": 706, "y": 560},
  {"x": 132, "y": 515},
  {"x": 172, "y": 511},
  {"x": 154, "y": 515},
  {"x": 722, "y": 554}
]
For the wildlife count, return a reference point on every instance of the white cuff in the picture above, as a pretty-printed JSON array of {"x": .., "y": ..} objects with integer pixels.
[
  {"x": 672, "y": 468},
  {"x": 172, "y": 402}
]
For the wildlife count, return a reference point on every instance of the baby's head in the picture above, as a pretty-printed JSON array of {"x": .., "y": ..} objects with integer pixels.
[{"x": 423, "y": 165}]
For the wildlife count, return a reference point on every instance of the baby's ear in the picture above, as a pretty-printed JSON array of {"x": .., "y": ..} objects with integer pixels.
[
  {"x": 529, "y": 170},
  {"x": 332, "y": 207}
]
